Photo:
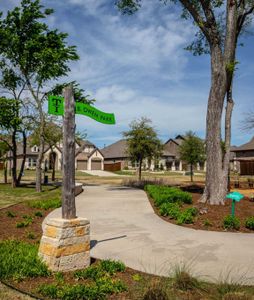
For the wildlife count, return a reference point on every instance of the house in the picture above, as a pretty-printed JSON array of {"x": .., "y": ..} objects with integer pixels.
[
  {"x": 116, "y": 157},
  {"x": 88, "y": 157},
  {"x": 242, "y": 158}
]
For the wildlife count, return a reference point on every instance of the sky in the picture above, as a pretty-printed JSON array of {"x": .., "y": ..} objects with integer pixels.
[{"x": 136, "y": 66}]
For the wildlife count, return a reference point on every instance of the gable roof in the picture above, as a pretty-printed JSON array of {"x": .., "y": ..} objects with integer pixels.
[
  {"x": 116, "y": 150},
  {"x": 245, "y": 147}
]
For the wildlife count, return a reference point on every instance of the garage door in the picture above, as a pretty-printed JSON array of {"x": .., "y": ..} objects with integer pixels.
[
  {"x": 96, "y": 165},
  {"x": 81, "y": 165}
]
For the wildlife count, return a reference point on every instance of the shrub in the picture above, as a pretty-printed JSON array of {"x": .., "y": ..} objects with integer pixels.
[
  {"x": 237, "y": 296},
  {"x": 183, "y": 280},
  {"x": 19, "y": 260},
  {"x": 10, "y": 214},
  {"x": 170, "y": 209},
  {"x": 187, "y": 216},
  {"x": 31, "y": 236},
  {"x": 38, "y": 214},
  {"x": 164, "y": 194},
  {"x": 249, "y": 223},
  {"x": 207, "y": 223},
  {"x": 155, "y": 293},
  {"x": 95, "y": 291},
  {"x": 231, "y": 222},
  {"x": 45, "y": 204},
  {"x": 92, "y": 272},
  {"x": 112, "y": 267}
]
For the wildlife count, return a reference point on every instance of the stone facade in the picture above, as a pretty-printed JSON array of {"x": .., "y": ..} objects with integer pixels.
[{"x": 65, "y": 244}]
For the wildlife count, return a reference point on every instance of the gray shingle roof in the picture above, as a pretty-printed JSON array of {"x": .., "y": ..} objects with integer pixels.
[
  {"x": 244, "y": 147},
  {"x": 116, "y": 150}
]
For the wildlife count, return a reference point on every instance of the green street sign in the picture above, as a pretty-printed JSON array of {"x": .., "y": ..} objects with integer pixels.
[{"x": 56, "y": 107}]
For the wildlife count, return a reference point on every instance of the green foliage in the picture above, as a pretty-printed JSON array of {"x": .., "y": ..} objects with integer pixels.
[
  {"x": 31, "y": 236},
  {"x": 142, "y": 141},
  {"x": 137, "y": 277},
  {"x": 26, "y": 223},
  {"x": 171, "y": 210},
  {"x": 38, "y": 214},
  {"x": 112, "y": 266},
  {"x": 187, "y": 216},
  {"x": 30, "y": 49},
  {"x": 183, "y": 280},
  {"x": 156, "y": 293},
  {"x": 207, "y": 223},
  {"x": 230, "y": 222},
  {"x": 19, "y": 260},
  {"x": 104, "y": 268},
  {"x": 249, "y": 223},
  {"x": 10, "y": 214},
  {"x": 45, "y": 204},
  {"x": 163, "y": 194}
]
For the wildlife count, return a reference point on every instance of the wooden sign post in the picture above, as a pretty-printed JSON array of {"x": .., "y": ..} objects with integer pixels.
[{"x": 68, "y": 190}]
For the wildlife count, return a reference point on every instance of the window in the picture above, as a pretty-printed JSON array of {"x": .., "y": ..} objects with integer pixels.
[
  {"x": 31, "y": 162},
  {"x": 35, "y": 149}
]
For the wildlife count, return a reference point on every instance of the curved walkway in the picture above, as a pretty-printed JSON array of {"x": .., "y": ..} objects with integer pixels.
[{"x": 125, "y": 227}]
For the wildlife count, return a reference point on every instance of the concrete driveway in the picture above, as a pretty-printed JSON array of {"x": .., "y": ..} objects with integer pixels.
[
  {"x": 125, "y": 227},
  {"x": 102, "y": 173}
]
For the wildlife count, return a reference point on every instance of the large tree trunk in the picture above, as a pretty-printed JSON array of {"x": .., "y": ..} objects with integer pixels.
[
  {"x": 216, "y": 183},
  {"x": 24, "y": 158},
  {"x": 14, "y": 160},
  {"x": 38, "y": 166},
  {"x": 191, "y": 172}
]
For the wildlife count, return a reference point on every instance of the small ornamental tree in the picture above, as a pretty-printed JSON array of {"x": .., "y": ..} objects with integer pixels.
[
  {"x": 192, "y": 151},
  {"x": 142, "y": 142},
  {"x": 31, "y": 56}
]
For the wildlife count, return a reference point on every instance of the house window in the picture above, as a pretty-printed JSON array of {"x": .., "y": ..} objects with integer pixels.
[
  {"x": 86, "y": 150},
  {"x": 35, "y": 149},
  {"x": 31, "y": 162}
]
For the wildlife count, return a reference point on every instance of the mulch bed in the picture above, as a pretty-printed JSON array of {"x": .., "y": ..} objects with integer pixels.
[
  {"x": 215, "y": 213},
  {"x": 8, "y": 229}
]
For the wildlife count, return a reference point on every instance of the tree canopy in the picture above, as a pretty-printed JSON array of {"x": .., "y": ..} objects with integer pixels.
[{"x": 142, "y": 142}]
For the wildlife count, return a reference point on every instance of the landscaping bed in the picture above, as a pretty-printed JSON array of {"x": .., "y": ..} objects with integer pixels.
[{"x": 204, "y": 216}]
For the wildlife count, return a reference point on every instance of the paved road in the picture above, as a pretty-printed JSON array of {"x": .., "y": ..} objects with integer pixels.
[{"x": 124, "y": 227}]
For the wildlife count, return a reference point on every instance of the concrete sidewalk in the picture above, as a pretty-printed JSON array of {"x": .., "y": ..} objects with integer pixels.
[
  {"x": 125, "y": 227},
  {"x": 101, "y": 173}
]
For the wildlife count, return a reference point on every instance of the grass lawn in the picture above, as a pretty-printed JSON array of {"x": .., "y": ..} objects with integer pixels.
[{"x": 9, "y": 195}]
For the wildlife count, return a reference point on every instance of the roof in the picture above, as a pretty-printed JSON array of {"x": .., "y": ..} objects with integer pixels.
[
  {"x": 116, "y": 150},
  {"x": 85, "y": 142},
  {"x": 165, "y": 152},
  {"x": 244, "y": 147}
]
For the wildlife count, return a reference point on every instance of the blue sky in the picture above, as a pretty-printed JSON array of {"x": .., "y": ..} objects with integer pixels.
[{"x": 136, "y": 66}]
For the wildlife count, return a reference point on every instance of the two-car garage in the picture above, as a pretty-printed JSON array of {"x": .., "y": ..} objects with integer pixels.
[{"x": 90, "y": 161}]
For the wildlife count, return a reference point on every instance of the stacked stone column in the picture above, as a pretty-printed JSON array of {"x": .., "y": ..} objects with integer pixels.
[{"x": 65, "y": 244}]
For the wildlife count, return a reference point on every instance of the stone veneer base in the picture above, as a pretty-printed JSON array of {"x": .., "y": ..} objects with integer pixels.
[{"x": 65, "y": 244}]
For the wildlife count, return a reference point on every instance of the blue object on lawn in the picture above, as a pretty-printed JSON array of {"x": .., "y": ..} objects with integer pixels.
[{"x": 235, "y": 197}]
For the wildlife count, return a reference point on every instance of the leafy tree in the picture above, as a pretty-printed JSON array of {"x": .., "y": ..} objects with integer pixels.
[
  {"x": 142, "y": 142},
  {"x": 10, "y": 125},
  {"x": 192, "y": 150},
  {"x": 219, "y": 25},
  {"x": 31, "y": 56}
]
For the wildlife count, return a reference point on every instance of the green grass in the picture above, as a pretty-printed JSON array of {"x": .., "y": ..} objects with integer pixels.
[
  {"x": 9, "y": 195},
  {"x": 19, "y": 260}
]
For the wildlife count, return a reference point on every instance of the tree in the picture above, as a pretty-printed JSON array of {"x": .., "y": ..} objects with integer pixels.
[
  {"x": 192, "y": 151},
  {"x": 31, "y": 56},
  {"x": 3, "y": 152},
  {"x": 142, "y": 142},
  {"x": 219, "y": 24}
]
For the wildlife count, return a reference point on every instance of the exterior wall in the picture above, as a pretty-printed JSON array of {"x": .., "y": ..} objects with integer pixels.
[
  {"x": 248, "y": 153},
  {"x": 95, "y": 155}
]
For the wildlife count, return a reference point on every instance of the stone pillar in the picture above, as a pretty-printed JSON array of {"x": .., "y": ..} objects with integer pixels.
[
  {"x": 180, "y": 165},
  {"x": 198, "y": 166},
  {"x": 65, "y": 244}
]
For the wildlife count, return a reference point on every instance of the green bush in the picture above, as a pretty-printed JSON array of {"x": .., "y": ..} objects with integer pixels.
[
  {"x": 92, "y": 272},
  {"x": 249, "y": 223},
  {"x": 164, "y": 194},
  {"x": 185, "y": 218},
  {"x": 231, "y": 222},
  {"x": 112, "y": 266},
  {"x": 96, "y": 291},
  {"x": 38, "y": 214},
  {"x": 207, "y": 223},
  {"x": 10, "y": 214},
  {"x": 19, "y": 260},
  {"x": 45, "y": 204},
  {"x": 170, "y": 209}
]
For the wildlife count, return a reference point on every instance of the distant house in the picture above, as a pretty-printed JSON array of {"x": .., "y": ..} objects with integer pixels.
[
  {"x": 89, "y": 159},
  {"x": 116, "y": 157},
  {"x": 242, "y": 158}
]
